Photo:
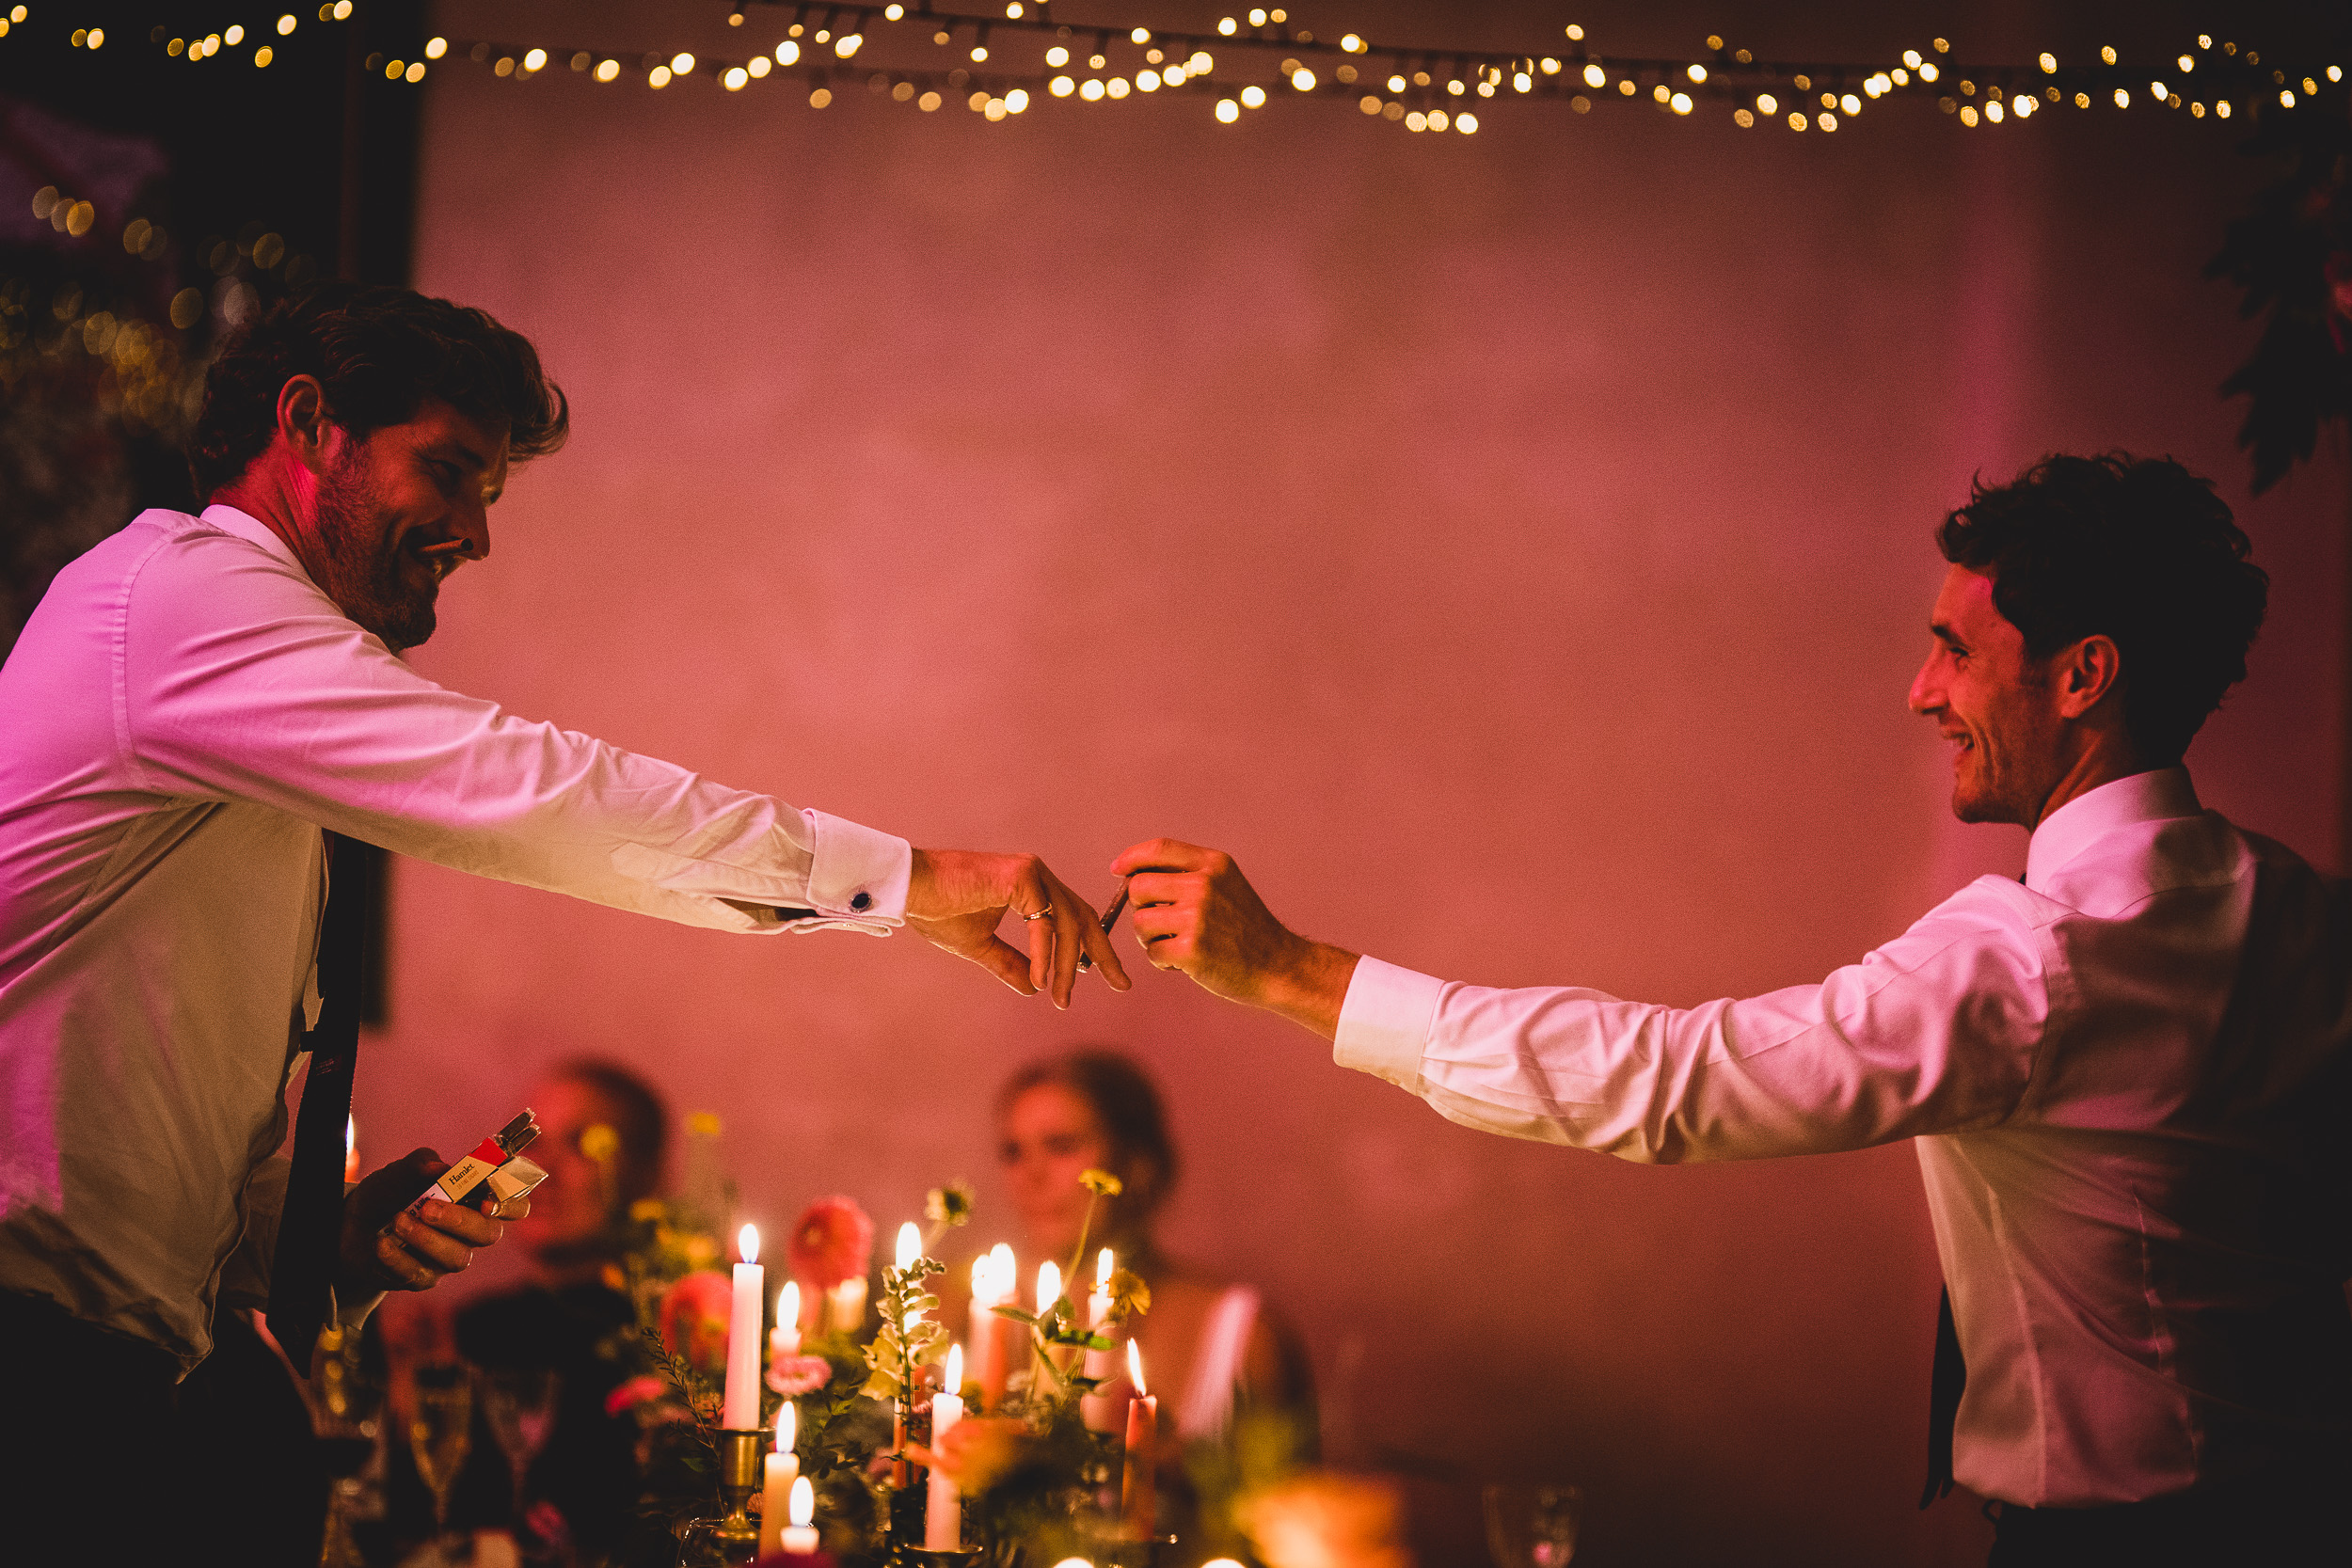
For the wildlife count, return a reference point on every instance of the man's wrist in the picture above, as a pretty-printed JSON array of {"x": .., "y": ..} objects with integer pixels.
[{"x": 1310, "y": 989}]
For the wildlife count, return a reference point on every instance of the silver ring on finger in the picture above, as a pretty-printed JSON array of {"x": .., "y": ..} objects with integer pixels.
[{"x": 1041, "y": 915}]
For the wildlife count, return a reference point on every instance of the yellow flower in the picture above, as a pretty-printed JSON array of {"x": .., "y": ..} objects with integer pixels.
[
  {"x": 645, "y": 1210},
  {"x": 951, "y": 1205},
  {"x": 1101, "y": 1183},
  {"x": 599, "y": 1143},
  {"x": 1129, "y": 1295},
  {"x": 703, "y": 1124}
]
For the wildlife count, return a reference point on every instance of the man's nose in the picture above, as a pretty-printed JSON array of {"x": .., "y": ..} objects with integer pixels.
[
  {"x": 473, "y": 531},
  {"x": 1925, "y": 698}
]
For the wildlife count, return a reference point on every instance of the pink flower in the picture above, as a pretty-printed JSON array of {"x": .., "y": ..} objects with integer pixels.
[
  {"x": 795, "y": 1375},
  {"x": 636, "y": 1391},
  {"x": 694, "y": 1319},
  {"x": 832, "y": 1242}
]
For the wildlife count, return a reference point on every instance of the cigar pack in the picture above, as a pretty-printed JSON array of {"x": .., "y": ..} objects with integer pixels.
[{"x": 494, "y": 1172}]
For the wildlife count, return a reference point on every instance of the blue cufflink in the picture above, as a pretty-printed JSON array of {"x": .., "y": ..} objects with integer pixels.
[{"x": 863, "y": 902}]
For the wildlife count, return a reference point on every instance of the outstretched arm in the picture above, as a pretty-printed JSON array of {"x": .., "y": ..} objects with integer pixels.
[{"x": 1934, "y": 1032}]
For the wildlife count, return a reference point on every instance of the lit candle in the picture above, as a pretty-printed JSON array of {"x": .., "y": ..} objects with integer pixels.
[
  {"x": 741, "y": 1410},
  {"x": 784, "y": 1468},
  {"x": 1143, "y": 1440},
  {"x": 799, "y": 1536},
  {"x": 784, "y": 1339},
  {"x": 1048, "y": 1292},
  {"x": 1100, "y": 1409},
  {"x": 943, "y": 1517},
  {"x": 910, "y": 1248},
  {"x": 991, "y": 1288}
]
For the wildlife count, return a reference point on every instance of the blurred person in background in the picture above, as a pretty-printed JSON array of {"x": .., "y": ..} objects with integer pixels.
[
  {"x": 604, "y": 1143},
  {"x": 1235, "y": 1389}
]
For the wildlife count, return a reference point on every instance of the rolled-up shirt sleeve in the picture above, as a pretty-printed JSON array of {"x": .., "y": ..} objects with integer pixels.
[
  {"x": 1934, "y": 1032},
  {"x": 245, "y": 681}
]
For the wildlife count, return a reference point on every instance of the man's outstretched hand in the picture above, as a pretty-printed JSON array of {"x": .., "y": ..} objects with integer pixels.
[
  {"x": 1195, "y": 913},
  {"x": 958, "y": 897}
]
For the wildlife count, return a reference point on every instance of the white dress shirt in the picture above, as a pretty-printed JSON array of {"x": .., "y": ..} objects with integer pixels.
[
  {"x": 184, "y": 713},
  {"x": 2127, "y": 1081}
]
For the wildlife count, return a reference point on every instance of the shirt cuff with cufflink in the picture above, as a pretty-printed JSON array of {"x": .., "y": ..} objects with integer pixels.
[
  {"x": 857, "y": 877},
  {"x": 1385, "y": 1021}
]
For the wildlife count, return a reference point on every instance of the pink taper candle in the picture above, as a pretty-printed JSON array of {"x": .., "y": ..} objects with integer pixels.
[
  {"x": 1136, "y": 1502},
  {"x": 741, "y": 1410}
]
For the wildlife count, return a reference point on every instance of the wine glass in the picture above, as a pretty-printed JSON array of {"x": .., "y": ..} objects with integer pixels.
[
  {"x": 1533, "y": 1527},
  {"x": 520, "y": 1402},
  {"x": 441, "y": 1432}
]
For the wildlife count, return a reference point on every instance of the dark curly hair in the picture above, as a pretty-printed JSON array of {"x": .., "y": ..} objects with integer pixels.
[
  {"x": 2137, "y": 549},
  {"x": 379, "y": 353}
]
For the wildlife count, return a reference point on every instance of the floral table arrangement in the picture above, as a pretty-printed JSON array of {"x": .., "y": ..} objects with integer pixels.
[{"x": 808, "y": 1425}]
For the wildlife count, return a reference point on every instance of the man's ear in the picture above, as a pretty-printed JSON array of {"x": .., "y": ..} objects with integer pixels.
[
  {"x": 2087, "y": 674},
  {"x": 304, "y": 421}
]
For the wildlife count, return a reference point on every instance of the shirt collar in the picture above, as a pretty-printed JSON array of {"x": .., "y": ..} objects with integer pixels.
[
  {"x": 2152, "y": 797},
  {"x": 251, "y": 529}
]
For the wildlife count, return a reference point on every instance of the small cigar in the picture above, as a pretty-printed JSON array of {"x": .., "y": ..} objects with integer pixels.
[
  {"x": 1110, "y": 918},
  {"x": 517, "y": 1135}
]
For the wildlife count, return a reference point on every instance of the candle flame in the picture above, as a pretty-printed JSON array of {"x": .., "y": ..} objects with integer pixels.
[
  {"x": 955, "y": 1368},
  {"x": 1135, "y": 1369},
  {"x": 909, "y": 1244},
  {"x": 788, "y": 1304},
  {"x": 804, "y": 1500},
  {"x": 1048, "y": 1285},
  {"x": 1104, "y": 1264},
  {"x": 747, "y": 1243},
  {"x": 787, "y": 1426}
]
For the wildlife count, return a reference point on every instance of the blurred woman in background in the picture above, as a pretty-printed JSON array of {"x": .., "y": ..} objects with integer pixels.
[{"x": 1233, "y": 1382}]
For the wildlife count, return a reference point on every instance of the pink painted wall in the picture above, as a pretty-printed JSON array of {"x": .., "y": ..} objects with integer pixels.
[{"x": 1515, "y": 548}]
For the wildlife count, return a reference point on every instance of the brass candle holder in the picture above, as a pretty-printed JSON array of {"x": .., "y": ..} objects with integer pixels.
[{"x": 742, "y": 1455}]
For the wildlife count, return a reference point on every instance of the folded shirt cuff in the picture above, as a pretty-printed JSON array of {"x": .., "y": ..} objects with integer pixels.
[
  {"x": 1385, "y": 1022},
  {"x": 858, "y": 876}
]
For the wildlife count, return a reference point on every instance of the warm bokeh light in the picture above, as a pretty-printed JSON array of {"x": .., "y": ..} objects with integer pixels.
[
  {"x": 909, "y": 1246},
  {"x": 787, "y": 51},
  {"x": 608, "y": 70},
  {"x": 1253, "y": 96},
  {"x": 681, "y": 63}
]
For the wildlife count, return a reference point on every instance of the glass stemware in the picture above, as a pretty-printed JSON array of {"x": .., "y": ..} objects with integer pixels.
[
  {"x": 1533, "y": 1527},
  {"x": 520, "y": 1402},
  {"x": 440, "y": 1434}
]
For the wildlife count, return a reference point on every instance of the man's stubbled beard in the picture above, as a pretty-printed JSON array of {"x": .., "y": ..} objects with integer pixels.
[{"x": 363, "y": 561}]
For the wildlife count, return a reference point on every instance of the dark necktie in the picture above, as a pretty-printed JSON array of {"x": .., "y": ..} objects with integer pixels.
[
  {"x": 1943, "y": 1387},
  {"x": 309, "y": 1229}
]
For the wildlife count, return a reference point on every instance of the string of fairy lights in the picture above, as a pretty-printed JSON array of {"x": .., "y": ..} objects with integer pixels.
[{"x": 1420, "y": 88}]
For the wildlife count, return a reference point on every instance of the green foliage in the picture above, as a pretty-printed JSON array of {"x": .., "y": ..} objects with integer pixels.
[
  {"x": 2281, "y": 255},
  {"x": 911, "y": 1335}
]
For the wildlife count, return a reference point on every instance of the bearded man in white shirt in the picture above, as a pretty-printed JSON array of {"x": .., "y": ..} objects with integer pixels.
[
  {"x": 2127, "y": 1075},
  {"x": 193, "y": 702}
]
